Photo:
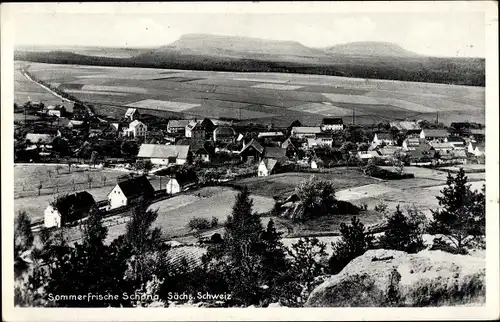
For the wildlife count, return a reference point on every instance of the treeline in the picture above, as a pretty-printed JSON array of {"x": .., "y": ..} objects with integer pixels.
[{"x": 456, "y": 71}]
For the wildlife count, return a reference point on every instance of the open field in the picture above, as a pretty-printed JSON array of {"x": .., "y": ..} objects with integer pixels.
[
  {"x": 25, "y": 90},
  {"x": 264, "y": 97},
  {"x": 284, "y": 183}
]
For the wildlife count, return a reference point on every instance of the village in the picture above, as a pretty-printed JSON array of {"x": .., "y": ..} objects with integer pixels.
[{"x": 189, "y": 153}]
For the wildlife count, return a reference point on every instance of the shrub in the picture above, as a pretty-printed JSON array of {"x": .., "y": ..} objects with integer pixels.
[
  {"x": 353, "y": 243},
  {"x": 198, "y": 223},
  {"x": 402, "y": 234}
]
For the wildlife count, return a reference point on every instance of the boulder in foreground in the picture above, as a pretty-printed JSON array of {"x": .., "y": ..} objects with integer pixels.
[{"x": 395, "y": 278}]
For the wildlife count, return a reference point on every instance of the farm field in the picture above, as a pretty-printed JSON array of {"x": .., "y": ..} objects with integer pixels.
[
  {"x": 263, "y": 97},
  {"x": 26, "y": 90}
]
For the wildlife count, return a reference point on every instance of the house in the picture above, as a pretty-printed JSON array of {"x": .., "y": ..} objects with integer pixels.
[
  {"x": 290, "y": 147},
  {"x": 413, "y": 133},
  {"x": 136, "y": 129},
  {"x": 332, "y": 124},
  {"x": 412, "y": 143},
  {"x": 57, "y": 110},
  {"x": 252, "y": 151},
  {"x": 456, "y": 142},
  {"x": 131, "y": 114},
  {"x": 419, "y": 157},
  {"x": 442, "y": 147},
  {"x": 405, "y": 125},
  {"x": 271, "y": 135},
  {"x": 434, "y": 135},
  {"x": 130, "y": 191},
  {"x": 271, "y": 152},
  {"x": 322, "y": 139},
  {"x": 224, "y": 134},
  {"x": 388, "y": 152},
  {"x": 266, "y": 167},
  {"x": 209, "y": 126},
  {"x": 305, "y": 131},
  {"x": 68, "y": 208},
  {"x": 164, "y": 154},
  {"x": 384, "y": 139},
  {"x": 181, "y": 181},
  {"x": 38, "y": 140},
  {"x": 476, "y": 149},
  {"x": 366, "y": 155},
  {"x": 195, "y": 130},
  {"x": 177, "y": 126}
]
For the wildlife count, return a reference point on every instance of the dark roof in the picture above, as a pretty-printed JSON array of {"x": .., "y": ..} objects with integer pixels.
[
  {"x": 384, "y": 136},
  {"x": 135, "y": 187},
  {"x": 74, "y": 206},
  {"x": 274, "y": 153},
  {"x": 255, "y": 144},
  {"x": 413, "y": 131},
  {"x": 225, "y": 130},
  {"x": 333, "y": 121},
  {"x": 324, "y": 136}
]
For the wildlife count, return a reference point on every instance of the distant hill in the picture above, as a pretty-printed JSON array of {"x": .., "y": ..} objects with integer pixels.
[
  {"x": 111, "y": 52},
  {"x": 240, "y": 48},
  {"x": 244, "y": 54},
  {"x": 370, "y": 48}
]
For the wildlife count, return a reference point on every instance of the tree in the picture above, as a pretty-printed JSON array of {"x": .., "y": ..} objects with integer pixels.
[
  {"x": 304, "y": 267},
  {"x": 23, "y": 241},
  {"x": 461, "y": 217},
  {"x": 238, "y": 259},
  {"x": 90, "y": 179},
  {"x": 317, "y": 197},
  {"x": 58, "y": 168},
  {"x": 399, "y": 162},
  {"x": 39, "y": 186},
  {"x": 402, "y": 234},
  {"x": 148, "y": 166},
  {"x": 94, "y": 157},
  {"x": 69, "y": 162},
  {"x": 90, "y": 267},
  {"x": 104, "y": 179},
  {"x": 142, "y": 239},
  {"x": 354, "y": 242},
  {"x": 346, "y": 148}
]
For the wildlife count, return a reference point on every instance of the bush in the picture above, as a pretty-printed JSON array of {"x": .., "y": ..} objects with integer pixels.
[
  {"x": 402, "y": 234},
  {"x": 198, "y": 223}
]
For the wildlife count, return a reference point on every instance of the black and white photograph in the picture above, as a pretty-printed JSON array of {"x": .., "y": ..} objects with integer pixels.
[{"x": 250, "y": 155}]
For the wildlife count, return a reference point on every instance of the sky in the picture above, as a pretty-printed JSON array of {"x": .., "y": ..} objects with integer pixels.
[{"x": 450, "y": 34}]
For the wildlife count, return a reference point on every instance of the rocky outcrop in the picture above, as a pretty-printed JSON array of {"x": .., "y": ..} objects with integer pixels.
[{"x": 394, "y": 278}]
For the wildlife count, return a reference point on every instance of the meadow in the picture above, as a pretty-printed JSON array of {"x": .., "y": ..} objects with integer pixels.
[{"x": 263, "y": 97}]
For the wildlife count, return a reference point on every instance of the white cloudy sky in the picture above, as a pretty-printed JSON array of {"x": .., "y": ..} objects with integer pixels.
[{"x": 439, "y": 34}]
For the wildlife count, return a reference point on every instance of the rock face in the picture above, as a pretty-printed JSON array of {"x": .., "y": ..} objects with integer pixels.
[{"x": 395, "y": 278}]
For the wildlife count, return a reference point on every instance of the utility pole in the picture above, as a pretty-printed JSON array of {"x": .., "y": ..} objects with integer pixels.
[
  {"x": 353, "y": 118},
  {"x": 437, "y": 117}
]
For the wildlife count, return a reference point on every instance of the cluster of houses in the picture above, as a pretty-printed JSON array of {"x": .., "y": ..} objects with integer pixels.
[
  {"x": 129, "y": 190},
  {"x": 427, "y": 146}
]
